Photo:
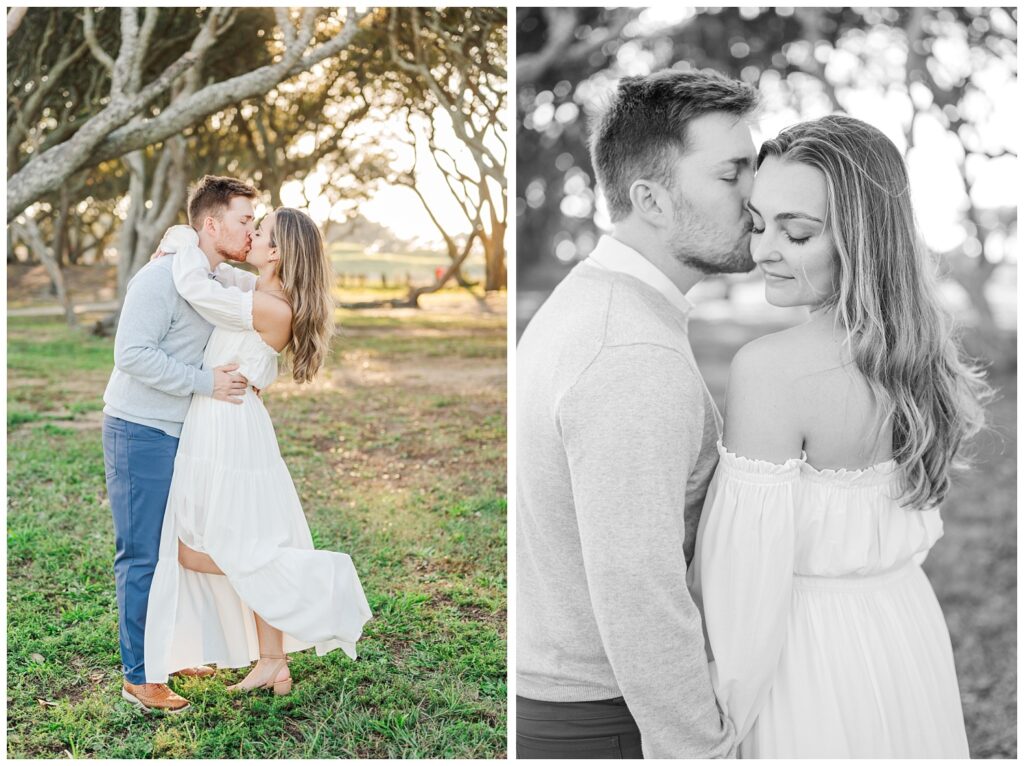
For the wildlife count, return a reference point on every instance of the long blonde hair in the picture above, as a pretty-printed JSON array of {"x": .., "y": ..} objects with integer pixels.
[
  {"x": 306, "y": 278},
  {"x": 900, "y": 337}
]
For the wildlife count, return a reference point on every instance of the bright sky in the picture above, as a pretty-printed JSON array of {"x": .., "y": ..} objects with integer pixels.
[{"x": 396, "y": 207}]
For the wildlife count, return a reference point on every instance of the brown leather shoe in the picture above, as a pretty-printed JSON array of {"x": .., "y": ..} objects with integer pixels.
[
  {"x": 154, "y": 697},
  {"x": 200, "y": 671}
]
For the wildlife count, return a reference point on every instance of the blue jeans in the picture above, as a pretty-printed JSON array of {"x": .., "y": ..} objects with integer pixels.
[{"x": 139, "y": 462}]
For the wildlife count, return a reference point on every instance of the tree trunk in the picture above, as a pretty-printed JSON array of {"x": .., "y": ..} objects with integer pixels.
[
  {"x": 126, "y": 240},
  {"x": 34, "y": 238},
  {"x": 142, "y": 228},
  {"x": 74, "y": 251},
  {"x": 494, "y": 259},
  {"x": 275, "y": 192},
  {"x": 461, "y": 280},
  {"x": 60, "y": 233}
]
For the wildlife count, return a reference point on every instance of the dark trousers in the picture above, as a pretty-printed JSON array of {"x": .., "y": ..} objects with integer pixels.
[
  {"x": 601, "y": 729},
  {"x": 139, "y": 462}
]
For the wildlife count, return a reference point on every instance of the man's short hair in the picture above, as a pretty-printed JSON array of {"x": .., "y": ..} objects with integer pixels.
[
  {"x": 213, "y": 194},
  {"x": 643, "y": 129}
]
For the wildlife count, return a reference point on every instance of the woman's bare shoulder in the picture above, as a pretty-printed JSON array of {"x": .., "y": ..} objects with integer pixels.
[
  {"x": 798, "y": 356},
  {"x": 271, "y": 317},
  {"x": 770, "y": 380}
]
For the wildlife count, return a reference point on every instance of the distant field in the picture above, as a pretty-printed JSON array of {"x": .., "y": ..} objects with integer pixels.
[
  {"x": 351, "y": 259},
  {"x": 29, "y": 287}
]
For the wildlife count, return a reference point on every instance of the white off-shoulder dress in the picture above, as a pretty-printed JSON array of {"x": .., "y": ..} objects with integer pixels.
[
  {"x": 232, "y": 497},
  {"x": 826, "y": 636}
]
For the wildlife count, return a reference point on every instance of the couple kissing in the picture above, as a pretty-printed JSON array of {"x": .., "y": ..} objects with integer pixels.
[{"x": 214, "y": 560}]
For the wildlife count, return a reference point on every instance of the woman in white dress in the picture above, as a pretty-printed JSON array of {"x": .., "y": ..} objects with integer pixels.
[
  {"x": 826, "y": 637},
  {"x": 237, "y": 578}
]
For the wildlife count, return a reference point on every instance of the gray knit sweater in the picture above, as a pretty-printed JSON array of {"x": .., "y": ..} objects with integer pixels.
[
  {"x": 158, "y": 353},
  {"x": 616, "y": 439}
]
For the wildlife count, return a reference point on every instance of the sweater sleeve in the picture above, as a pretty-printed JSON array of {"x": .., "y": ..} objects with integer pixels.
[
  {"x": 227, "y": 307},
  {"x": 743, "y": 575},
  {"x": 145, "y": 318},
  {"x": 632, "y": 428}
]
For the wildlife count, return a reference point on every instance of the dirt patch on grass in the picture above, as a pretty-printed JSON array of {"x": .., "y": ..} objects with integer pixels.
[
  {"x": 86, "y": 384},
  {"x": 82, "y": 384},
  {"x": 85, "y": 422},
  {"x": 75, "y": 694},
  {"x": 470, "y": 612},
  {"x": 16, "y": 382},
  {"x": 89, "y": 421},
  {"x": 384, "y": 471},
  {"x": 463, "y": 377},
  {"x": 361, "y": 368}
]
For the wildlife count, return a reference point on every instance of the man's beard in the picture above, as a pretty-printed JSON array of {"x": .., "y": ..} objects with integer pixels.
[
  {"x": 736, "y": 260},
  {"x": 238, "y": 256},
  {"x": 702, "y": 246}
]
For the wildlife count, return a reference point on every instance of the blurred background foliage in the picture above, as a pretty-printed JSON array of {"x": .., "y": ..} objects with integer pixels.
[{"x": 941, "y": 82}]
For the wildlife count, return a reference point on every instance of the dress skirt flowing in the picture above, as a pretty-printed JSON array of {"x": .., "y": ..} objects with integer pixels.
[
  {"x": 232, "y": 498},
  {"x": 826, "y": 636}
]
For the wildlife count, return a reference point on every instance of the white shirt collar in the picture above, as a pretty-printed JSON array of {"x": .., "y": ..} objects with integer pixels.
[{"x": 612, "y": 255}]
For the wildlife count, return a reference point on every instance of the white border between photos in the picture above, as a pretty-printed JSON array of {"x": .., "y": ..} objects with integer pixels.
[{"x": 510, "y": 390}]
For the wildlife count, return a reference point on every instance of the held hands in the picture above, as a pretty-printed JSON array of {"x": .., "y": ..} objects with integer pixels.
[{"x": 229, "y": 386}]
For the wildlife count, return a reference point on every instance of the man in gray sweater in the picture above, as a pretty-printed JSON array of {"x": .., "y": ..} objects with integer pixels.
[
  {"x": 158, "y": 357},
  {"x": 616, "y": 437}
]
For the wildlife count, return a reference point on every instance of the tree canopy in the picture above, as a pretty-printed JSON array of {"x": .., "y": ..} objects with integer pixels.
[
  {"x": 938, "y": 70},
  {"x": 113, "y": 111}
]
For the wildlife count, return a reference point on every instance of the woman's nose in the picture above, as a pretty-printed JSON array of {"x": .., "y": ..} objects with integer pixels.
[{"x": 761, "y": 249}]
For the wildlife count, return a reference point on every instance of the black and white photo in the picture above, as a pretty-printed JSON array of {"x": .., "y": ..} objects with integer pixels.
[{"x": 765, "y": 382}]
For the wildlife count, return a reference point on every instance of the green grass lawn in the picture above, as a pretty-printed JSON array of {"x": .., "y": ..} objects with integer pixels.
[
  {"x": 399, "y": 457},
  {"x": 973, "y": 568}
]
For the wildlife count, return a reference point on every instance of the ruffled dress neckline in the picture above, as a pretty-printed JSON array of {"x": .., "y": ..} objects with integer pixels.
[{"x": 877, "y": 473}]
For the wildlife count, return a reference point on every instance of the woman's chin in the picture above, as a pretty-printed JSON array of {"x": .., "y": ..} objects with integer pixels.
[
  {"x": 774, "y": 298},
  {"x": 783, "y": 301}
]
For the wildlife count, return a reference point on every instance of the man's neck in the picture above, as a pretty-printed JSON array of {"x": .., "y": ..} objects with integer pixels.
[
  {"x": 682, "y": 276},
  {"x": 206, "y": 245}
]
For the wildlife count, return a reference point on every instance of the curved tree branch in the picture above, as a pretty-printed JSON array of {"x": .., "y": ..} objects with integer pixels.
[
  {"x": 47, "y": 171},
  {"x": 215, "y": 97},
  {"x": 111, "y": 133}
]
